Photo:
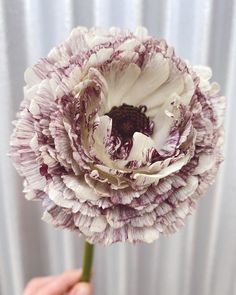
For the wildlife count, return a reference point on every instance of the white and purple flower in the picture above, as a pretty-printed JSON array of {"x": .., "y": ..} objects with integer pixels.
[{"x": 117, "y": 136}]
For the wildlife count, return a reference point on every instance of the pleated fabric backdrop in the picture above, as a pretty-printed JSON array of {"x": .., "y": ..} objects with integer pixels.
[{"x": 201, "y": 258}]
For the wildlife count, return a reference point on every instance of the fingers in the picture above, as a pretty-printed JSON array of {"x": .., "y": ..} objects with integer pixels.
[
  {"x": 37, "y": 283},
  {"x": 82, "y": 289},
  {"x": 58, "y": 285},
  {"x": 61, "y": 284}
]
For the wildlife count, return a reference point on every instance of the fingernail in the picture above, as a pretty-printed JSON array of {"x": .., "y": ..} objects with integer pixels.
[{"x": 83, "y": 289}]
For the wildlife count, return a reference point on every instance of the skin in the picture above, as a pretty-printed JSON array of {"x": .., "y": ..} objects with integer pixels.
[{"x": 65, "y": 283}]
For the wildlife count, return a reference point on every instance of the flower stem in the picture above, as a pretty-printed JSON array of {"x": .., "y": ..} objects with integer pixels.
[{"x": 87, "y": 262}]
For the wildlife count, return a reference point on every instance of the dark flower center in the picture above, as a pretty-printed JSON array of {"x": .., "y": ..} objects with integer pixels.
[{"x": 127, "y": 119}]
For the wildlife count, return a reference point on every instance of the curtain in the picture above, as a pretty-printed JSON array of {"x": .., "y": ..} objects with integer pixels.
[{"x": 201, "y": 258}]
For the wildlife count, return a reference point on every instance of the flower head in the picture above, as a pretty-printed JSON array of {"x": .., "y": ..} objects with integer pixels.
[{"x": 117, "y": 136}]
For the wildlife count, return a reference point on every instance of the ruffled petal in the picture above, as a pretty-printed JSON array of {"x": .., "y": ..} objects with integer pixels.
[
  {"x": 78, "y": 185},
  {"x": 147, "y": 179},
  {"x": 149, "y": 80},
  {"x": 120, "y": 78},
  {"x": 171, "y": 88}
]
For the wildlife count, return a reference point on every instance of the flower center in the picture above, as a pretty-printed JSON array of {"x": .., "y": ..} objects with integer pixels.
[{"x": 127, "y": 119}]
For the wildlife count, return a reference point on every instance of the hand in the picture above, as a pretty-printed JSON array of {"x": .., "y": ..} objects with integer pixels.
[{"x": 66, "y": 283}]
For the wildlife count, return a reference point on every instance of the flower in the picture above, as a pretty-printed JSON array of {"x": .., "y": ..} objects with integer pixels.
[{"x": 117, "y": 136}]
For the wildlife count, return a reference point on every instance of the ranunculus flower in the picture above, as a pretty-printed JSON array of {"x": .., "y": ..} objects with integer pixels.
[{"x": 117, "y": 136}]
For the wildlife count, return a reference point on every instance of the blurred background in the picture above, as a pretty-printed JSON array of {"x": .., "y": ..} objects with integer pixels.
[{"x": 201, "y": 258}]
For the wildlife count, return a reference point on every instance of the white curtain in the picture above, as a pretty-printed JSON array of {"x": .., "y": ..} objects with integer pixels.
[{"x": 201, "y": 258}]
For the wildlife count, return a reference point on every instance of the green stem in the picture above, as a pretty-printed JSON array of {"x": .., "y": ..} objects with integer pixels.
[{"x": 87, "y": 262}]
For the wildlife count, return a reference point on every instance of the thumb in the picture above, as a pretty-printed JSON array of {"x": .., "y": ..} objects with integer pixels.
[{"x": 81, "y": 289}]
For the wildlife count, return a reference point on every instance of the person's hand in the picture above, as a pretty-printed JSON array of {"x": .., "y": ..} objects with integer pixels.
[{"x": 66, "y": 283}]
